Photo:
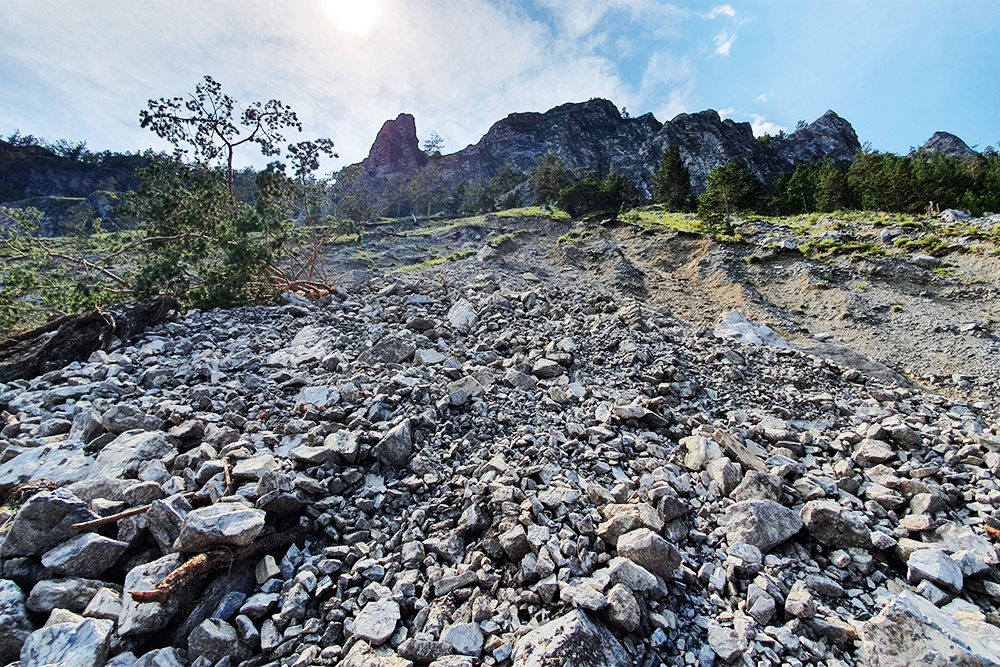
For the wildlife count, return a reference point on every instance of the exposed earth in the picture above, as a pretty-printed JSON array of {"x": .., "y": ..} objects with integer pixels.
[{"x": 933, "y": 320}]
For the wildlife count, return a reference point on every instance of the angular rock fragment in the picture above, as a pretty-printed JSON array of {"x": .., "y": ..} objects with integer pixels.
[
  {"x": 572, "y": 640},
  {"x": 44, "y": 521},
  {"x": 833, "y": 525},
  {"x": 761, "y": 523},
  {"x": 68, "y": 645},
  {"x": 911, "y": 631},
  {"x": 219, "y": 524}
]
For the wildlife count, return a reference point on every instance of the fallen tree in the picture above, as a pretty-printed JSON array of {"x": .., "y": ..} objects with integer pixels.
[{"x": 75, "y": 337}]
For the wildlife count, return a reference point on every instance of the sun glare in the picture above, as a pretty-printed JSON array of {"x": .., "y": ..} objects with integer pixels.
[{"x": 353, "y": 16}]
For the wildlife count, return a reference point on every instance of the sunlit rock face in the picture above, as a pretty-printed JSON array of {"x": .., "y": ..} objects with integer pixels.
[{"x": 595, "y": 137}]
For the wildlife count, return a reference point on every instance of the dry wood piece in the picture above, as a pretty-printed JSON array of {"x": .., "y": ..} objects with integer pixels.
[
  {"x": 991, "y": 531},
  {"x": 96, "y": 523},
  {"x": 216, "y": 559}
]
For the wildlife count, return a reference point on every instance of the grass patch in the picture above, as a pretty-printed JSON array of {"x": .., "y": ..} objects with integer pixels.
[
  {"x": 574, "y": 236},
  {"x": 461, "y": 254},
  {"x": 503, "y": 238},
  {"x": 828, "y": 248},
  {"x": 426, "y": 264}
]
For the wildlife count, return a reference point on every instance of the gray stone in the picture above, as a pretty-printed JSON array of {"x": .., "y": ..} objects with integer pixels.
[
  {"x": 86, "y": 555},
  {"x": 622, "y": 609},
  {"x": 735, "y": 326},
  {"x": 635, "y": 577},
  {"x": 761, "y": 523},
  {"x": 44, "y": 521},
  {"x": 572, "y": 640},
  {"x": 935, "y": 566},
  {"x": 514, "y": 541},
  {"x": 73, "y": 594},
  {"x": 912, "y": 631},
  {"x": 726, "y": 642},
  {"x": 389, "y": 350},
  {"x": 124, "y": 454},
  {"x": 136, "y": 618},
  {"x": 123, "y": 417},
  {"x": 726, "y": 474},
  {"x": 344, "y": 445},
  {"x": 449, "y": 549},
  {"x": 69, "y": 645},
  {"x": 954, "y": 536},
  {"x": 833, "y": 525},
  {"x": 363, "y": 655},
  {"x": 465, "y": 638},
  {"x": 377, "y": 621},
  {"x": 215, "y": 639},
  {"x": 518, "y": 380},
  {"x": 644, "y": 547},
  {"x": 462, "y": 315},
  {"x": 13, "y": 620},
  {"x": 165, "y": 519},
  {"x": 428, "y": 358},
  {"x": 86, "y": 427},
  {"x": 546, "y": 369},
  {"x": 424, "y": 650},
  {"x": 758, "y": 486},
  {"x": 107, "y": 603},
  {"x": 164, "y": 657},
  {"x": 700, "y": 451},
  {"x": 62, "y": 462},
  {"x": 254, "y": 467},
  {"x": 396, "y": 447},
  {"x": 318, "y": 399},
  {"x": 219, "y": 524},
  {"x": 583, "y": 596},
  {"x": 143, "y": 493}
]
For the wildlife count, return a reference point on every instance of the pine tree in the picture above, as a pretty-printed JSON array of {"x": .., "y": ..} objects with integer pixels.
[{"x": 672, "y": 181}]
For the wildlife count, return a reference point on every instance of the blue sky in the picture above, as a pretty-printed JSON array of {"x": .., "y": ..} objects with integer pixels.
[{"x": 898, "y": 70}]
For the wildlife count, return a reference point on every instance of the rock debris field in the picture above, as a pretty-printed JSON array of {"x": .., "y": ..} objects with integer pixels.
[{"x": 488, "y": 468}]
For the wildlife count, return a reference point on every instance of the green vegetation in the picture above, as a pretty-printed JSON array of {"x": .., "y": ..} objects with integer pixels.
[
  {"x": 574, "y": 236},
  {"x": 549, "y": 177},
  {"x": 730, "y": 189},
  {"x": 672, "y": 181},
  {"x": 828, "y": 248}
]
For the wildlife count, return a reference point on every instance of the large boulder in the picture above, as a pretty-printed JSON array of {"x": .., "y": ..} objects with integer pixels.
[
  {"x": 834, "y": 525},
  {"x": 13, "y": 620},
  {"x": 205, "y": 528},
  {"x": 762, "y": 523},
  {"x": 912, "y": 631},
  {"x": 124, "y": 454},
  {"x": 44, "y": 521},
  {"x": 396, "y": 446},
  {"x": 572, "y": 640},
  {"x": 69, "y": 644}
]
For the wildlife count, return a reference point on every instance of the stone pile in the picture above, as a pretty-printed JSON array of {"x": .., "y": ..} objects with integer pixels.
[{"x": 521, "y": 471}]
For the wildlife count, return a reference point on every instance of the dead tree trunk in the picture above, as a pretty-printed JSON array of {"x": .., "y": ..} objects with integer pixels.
[{"x": 76, "y": 337}]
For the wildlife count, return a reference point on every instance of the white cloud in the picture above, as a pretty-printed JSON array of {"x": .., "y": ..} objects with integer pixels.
[
  {"x": 720, "y": 10},
  {"x": 762, "y": 126},
  {"x": 762, "y": 97},
  {"x": 726, "y": 113},
  {"x": 84, "y": 70},
  {"x": 723, "y": 43}
]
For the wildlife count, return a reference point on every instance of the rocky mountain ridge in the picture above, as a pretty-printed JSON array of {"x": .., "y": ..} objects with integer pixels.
[
  {"x": 594, "y": 137},
  {"x": 499, "y": 461}
]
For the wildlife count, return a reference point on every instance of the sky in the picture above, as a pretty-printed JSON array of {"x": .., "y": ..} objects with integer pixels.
[{"x": 898, "y": 70}]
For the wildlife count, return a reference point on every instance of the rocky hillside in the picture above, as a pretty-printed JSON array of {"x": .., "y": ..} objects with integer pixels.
[
  {"x": 594, "y": 137},
  {"x": 62, "y": 186},
  {"x": 504, "y": 460}
]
